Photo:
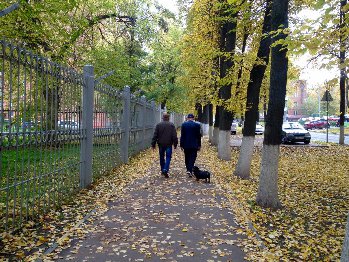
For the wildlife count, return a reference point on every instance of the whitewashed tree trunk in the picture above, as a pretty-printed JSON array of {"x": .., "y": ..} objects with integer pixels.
[
  {"x": 215, "y": 136},
  {"x": 210, "y": 134},
  {"x": 345, "y": 249},
  {"x": 341, "y": 135},
  {"x": 224, "y": 149},
  {"x": 205, "y": 128},
  {"x": 243, "y": 167},
  {"x": 267, "y": 195}
]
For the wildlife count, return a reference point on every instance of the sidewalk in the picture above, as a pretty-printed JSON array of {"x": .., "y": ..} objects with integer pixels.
[{"x": 174, "y": 219}]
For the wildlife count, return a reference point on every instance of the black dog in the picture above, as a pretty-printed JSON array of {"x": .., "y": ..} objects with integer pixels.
[{"x": 200, "y": 174}]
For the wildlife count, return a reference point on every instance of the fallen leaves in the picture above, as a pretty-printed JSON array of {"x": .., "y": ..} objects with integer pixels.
[
  {"x": 60, "y": 224},
  {"x": 313, "y": 188}
]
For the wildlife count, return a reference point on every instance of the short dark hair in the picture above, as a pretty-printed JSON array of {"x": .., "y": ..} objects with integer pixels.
[
  {"x": 165, "y": 116},
  {"x": 190, "y": 116}
]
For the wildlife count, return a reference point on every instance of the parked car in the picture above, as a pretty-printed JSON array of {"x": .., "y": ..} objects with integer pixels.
[
  {"x": 318, "y": 124},
  {"x": 70, "y": 125},
  {"x": 259, "y": 129},
  {"x": 233, "y": 128},
  {"x": 5, "y": 125},
  {"x": 29, "y": 125},
  {"x": 294, "y": 132}
]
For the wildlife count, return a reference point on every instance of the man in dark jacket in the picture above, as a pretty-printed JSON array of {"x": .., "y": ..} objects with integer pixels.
[
  {"x": 190, "y": 142},
  {"x": 165, "y": 136}
]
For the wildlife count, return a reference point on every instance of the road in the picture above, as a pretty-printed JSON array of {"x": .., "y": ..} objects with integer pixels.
[{"x": 331, "y": 137}]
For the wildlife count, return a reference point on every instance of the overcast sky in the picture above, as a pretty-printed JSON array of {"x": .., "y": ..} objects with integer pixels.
[{"x": 169, "y": 4}]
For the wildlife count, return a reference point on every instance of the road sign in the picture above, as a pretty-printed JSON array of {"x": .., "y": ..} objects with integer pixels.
[{"x": 327, "y": 97}]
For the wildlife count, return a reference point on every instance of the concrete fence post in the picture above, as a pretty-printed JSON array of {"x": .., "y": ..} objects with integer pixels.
[
  {"x": 160, "y": 115},
  {"x": 126, "y": 124},
  {"x": 144, "y": 123},
  {"x": 87, "y": 127}
]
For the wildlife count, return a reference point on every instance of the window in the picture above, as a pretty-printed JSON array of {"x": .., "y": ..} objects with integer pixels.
[{"x": 295, "y": 112}]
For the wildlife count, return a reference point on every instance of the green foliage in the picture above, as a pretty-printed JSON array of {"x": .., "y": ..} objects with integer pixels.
[{"x": 161, "y": 78}]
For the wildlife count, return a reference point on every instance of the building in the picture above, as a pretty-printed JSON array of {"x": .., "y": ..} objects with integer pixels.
[{"x": 296, "y": 98}]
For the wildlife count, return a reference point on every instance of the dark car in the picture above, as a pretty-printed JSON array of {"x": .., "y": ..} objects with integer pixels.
[
  {"x": 293, "y": 132},
  {"x": 29, "y": 125}
]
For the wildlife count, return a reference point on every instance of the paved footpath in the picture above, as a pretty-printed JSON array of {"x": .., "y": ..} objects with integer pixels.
[{"x": 173, "y": 219}]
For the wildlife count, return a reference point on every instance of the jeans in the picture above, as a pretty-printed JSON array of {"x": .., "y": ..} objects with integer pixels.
[
  {"x": 190, "y": 157},
  {"x": 165, "y": 164}
]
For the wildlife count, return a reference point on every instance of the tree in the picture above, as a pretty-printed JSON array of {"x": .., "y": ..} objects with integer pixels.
[
  {"x": 325, "y": 38},
  {"x": 227, "y": 45},
  {"x": 267, "y": 194},
  {"x": 253, "y": 90},
  {"x": 342, "y": 45},
  {"x": 162, "y": 70}
]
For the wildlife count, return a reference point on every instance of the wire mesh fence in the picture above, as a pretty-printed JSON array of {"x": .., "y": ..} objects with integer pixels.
[
  {"x": 60, "y": 129},
  {"x": 39, "y": 145},
  {"x": 107, "y": 113}
]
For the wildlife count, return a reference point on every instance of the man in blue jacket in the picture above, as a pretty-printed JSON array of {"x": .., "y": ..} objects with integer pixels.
[{"x": 190, "y": 142}]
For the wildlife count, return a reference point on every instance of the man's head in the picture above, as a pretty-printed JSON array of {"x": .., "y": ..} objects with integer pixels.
[
  {"x": 165, "y": 116},
  {"x": 190, "y": 117}
]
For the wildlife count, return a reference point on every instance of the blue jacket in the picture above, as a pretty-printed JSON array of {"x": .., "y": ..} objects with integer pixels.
[{"x": 190, "y": 135}]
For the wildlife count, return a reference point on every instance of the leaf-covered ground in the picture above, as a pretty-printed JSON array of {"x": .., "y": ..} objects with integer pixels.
[
  {"x": 313, "y": 186},
  {"x": 158, "y": 218},
  {"x": 64, "y": 222}
]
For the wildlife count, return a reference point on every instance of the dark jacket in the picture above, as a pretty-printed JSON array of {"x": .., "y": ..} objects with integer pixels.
[
  {"x": 190, "y": 135},
  {"x": 165, "y": 134}
]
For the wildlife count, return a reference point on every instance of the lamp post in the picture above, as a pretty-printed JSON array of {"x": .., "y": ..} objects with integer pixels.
[{"x": 327, "y": 98}]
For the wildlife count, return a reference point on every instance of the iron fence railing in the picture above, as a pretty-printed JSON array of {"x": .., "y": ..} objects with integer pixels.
[{"x": 60, "y": 130}]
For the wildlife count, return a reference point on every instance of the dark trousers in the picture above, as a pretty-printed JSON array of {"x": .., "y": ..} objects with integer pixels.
[
  {"x": 165, "y": 163},
  {"x": 190, "y": 157}
]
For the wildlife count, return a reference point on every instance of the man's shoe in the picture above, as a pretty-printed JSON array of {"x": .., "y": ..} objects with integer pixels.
[
  {"x": 165, "y": 173},
  {"x": 189, "y": 174}
]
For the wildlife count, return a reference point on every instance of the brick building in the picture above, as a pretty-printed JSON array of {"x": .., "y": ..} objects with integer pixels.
[{"x": 296, "y": 98}]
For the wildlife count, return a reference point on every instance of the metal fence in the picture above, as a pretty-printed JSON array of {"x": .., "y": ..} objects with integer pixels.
[{"x": 60, "y": 130}]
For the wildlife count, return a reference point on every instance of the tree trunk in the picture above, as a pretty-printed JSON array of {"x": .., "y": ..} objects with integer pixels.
[
  {"x": 210, "y": 123},
  {"x": 205, "y": 118},
  {"x": 215, "y": 133},
  {"x": 228, "y": 43},
  {"x": 342, "y": 41},
  {"x": 198, "y": 109},
  {"x": 345, "y": 249},
  {"x": 267, "y": 195},
  {"x": 243, "y": 166}
]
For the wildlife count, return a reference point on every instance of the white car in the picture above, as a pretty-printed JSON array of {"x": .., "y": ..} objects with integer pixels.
[
  {"x": 233, "y": 128},
  {"x": 68, "y": 125},
  {"x": 259, "y": 129}
]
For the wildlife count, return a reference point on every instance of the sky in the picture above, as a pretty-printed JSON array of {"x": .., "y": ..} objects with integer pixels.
[
  {"x": 169, "y": 4},
  {"x": 313, "y": 75}
]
